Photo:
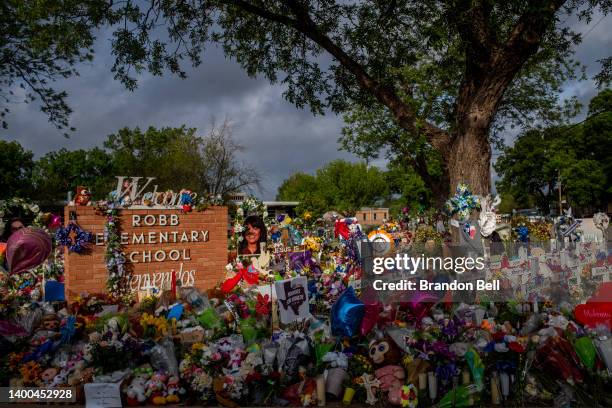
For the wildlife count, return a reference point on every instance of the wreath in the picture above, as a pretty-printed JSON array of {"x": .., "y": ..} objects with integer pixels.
[
  {"x": 80, "y": 241},
  {"x": 250, "y": 206},
  {"x": 6, "y": 207},
  {"x": 462, "y": 203}
]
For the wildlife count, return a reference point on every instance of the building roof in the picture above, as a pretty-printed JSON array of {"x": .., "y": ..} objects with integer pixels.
[{"x": 281, "y": 203}]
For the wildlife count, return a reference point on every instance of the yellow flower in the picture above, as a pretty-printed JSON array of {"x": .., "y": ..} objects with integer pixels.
[{"x": 197, "y": 346}]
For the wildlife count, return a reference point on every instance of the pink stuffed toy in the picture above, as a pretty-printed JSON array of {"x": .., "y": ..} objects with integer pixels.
[{"x": 391, "y": 380}]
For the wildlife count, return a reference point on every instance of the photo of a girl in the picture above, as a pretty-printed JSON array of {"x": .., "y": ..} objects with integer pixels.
[{"x": 254, "y": 234}]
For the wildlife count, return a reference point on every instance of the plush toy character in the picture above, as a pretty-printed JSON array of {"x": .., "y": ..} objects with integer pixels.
[
  {"x": 156, "y": 388},
  {"x": 172, "y": 389},
  {"x": 59, "y": 380},
  {"x": 186, "y": 200},
  {"x": 82, "y": 196},
  {"x": 391, "y": 379},
  {"x": 384, "y": 352},
  {"x": 136, "y": 391}
]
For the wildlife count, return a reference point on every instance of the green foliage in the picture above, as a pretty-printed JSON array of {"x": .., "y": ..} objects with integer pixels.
[
  {"x": 405, "y": 183},
  {"x": 15, "y": 170},
  {"x": 339, "y": 185},
  {"x": 170, "y": 154},
  {"x": 579, "y": 153},
  {"x": 40, "y": 42},
  {"x": 63, "y": 170},
  {"x": 176, "y": 157}
]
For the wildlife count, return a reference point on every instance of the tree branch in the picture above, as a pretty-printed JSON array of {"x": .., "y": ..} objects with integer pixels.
[
  {"x": 527, "y": 34},
  {"x": 386, "y": 95}
]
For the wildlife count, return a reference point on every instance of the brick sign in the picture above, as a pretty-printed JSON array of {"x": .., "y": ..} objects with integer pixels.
[{"x": 155, "y": 242}]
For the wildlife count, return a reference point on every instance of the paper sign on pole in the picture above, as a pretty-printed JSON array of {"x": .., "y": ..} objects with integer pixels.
[{"x": 292, "y": 297}]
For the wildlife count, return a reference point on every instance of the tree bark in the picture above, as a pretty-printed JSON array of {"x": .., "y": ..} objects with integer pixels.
[{"x": 469, "y": 161}]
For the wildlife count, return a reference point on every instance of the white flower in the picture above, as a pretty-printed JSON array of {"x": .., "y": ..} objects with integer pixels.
[
  {"x": 240, "y": 211},
  {"x": 229, "y": 267},
  {"x": 265, "y": 214},
  {"x": 34, "y": 208}
]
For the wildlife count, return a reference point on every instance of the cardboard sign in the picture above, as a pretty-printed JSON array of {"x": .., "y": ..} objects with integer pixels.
[{"x": 292, "y": 299}]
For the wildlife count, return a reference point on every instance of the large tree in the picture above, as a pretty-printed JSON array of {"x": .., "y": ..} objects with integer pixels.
[
  {"x": 61, "y": 171},
  {"x": 441, "y": 70},
  {"x": 42, "y": 41},
  {"x": 578, "y": 154},
  {"x": 380, "y": 55},
  {"x": 178, "y": 158},
  {"x": 339, "y": 185}
]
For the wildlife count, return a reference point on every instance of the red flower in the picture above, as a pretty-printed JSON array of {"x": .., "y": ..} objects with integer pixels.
[{"x": 263, "y": 304}]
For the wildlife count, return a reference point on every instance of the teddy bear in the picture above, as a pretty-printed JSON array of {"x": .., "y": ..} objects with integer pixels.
[
  {"x": 385, "y": 354},
  {"x": 136, "y": 391},
  {"x": 82, "y": 196}
]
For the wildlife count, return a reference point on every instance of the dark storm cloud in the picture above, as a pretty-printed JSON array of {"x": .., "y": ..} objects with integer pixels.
[{"x": 279, "y": 139}]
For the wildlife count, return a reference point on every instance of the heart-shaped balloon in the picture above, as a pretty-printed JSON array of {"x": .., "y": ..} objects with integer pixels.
[
  {"x": 26, "y": 249},
  {"x": 592, "y": 314}
]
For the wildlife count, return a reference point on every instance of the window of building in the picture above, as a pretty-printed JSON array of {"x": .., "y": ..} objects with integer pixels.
[
  {"x": 374, "y": 216},
  {"x": 365, "y": 216}
]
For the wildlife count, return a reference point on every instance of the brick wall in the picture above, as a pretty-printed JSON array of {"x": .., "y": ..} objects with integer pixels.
[{"x": 87, "y": 273}]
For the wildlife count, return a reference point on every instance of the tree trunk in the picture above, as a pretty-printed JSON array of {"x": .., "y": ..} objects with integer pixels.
[{"x": 469, "y": 160}]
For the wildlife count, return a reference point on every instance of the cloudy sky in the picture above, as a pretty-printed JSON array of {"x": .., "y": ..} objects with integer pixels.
[{"x": 279, "y": 138}]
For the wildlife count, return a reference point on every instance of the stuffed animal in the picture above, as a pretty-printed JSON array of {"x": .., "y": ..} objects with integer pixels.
[
  {"x": 59, "y": 379},
  {"x": 82, "y": 196},
  {"x": 156, "y": 388},
  {"x": 136, "y": 391},
  {"x": 391, "y": 379},
  {"x": 384, "y": 352},
  {"x": 186, "y": 200},
  {"x": 48, "y": 375}
]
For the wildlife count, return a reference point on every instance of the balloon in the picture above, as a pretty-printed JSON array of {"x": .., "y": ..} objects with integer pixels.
[
  {"x": 370, "y": 317},
  {"x": 27, "y": 248},
  {"x": 586, "y": 351},
  {"x": 592, "y": 314},
  {"x": 346, "y": 314},
  {"x": 55, "y": 221}
]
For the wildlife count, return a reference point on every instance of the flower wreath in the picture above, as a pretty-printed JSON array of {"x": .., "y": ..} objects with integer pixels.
[
  {"x": 250, "y": 206},
  {"x": 32, "y": 209},
  {"x": 462, "y": 203},
  {"x": 80, "y": 241}
]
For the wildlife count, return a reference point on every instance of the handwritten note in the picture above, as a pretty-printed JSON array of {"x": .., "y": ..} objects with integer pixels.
[{"x": 102, "y": 395}]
